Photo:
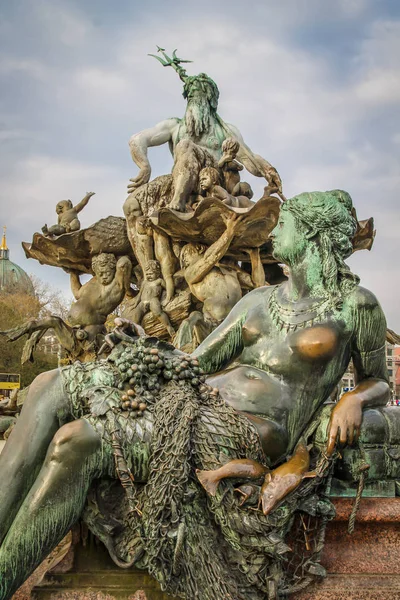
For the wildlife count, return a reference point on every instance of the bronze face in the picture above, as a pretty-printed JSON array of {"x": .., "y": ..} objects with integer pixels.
[{"x": 289, "y": 239}]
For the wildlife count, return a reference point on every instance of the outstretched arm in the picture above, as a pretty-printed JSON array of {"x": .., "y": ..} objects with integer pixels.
[
  {"x": 196, "y": 272},
  {"x": 225, "y": 343},
  {"x": 255, "y": 164},
  {"x": 139, "y": 144},
  {"x": 368, "y": 354},
  {"x": 83, "y": 202}
]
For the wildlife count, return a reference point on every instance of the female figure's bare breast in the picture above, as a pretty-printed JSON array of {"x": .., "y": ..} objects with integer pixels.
[{"x": 284, "y": 373}]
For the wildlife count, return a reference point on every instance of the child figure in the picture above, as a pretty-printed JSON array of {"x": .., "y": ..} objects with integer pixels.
[
  {"x": 148, "y": 299},
  {"x": 231, "y": 169},
  {"x": 209, "y": 180},
  {"x": 67, "y": 217}
]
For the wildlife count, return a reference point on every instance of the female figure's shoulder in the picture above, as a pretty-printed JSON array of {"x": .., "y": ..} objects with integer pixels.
[
  {"x": 368, "y": 320},
  {"x": 256, "y": 297},
  {"x": 364, "y": 303},
  {"x": 261, "y": 293},
  {"x": 364, "y": 299}
]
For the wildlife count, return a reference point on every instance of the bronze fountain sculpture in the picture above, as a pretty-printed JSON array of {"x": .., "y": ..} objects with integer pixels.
[{"x": 199, "y": 465}]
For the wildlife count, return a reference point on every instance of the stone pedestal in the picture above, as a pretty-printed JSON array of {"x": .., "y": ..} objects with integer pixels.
[
  {"x": 361, "y": 566},
  {"x": 94, "y": 576},
  {"x": 364, "y": 565}
]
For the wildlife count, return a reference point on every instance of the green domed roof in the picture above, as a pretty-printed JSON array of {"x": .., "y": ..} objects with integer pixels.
[{"x": 13, "y": 279}]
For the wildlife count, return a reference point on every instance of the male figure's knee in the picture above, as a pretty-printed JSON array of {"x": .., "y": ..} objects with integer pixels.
[{"x": 72, "y": 441}]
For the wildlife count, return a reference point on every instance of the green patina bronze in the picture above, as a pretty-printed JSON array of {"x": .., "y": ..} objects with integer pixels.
[
  {"x": 118, "y": 441},
  {"x": 210, "y": 470}
]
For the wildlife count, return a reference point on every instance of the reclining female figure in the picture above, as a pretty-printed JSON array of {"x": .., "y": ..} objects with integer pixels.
[{"x": 291, "y": 345}]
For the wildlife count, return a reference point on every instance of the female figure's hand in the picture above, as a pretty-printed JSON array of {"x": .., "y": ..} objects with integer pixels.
[{"x": 345, "y": 421}]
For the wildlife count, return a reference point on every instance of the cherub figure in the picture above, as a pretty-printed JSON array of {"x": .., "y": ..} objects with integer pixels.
[
  {"x": 209, "y": 184},
  {"x": 67, "y": 217},
  {"x": 230, "y": 167},
  {"x": 149, "y": 298},
  {"x": 152, "y": 244}
]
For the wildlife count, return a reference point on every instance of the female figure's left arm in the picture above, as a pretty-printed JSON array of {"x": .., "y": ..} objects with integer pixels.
[
  {"x": 370, "y": 372},
  {"x": 225, "y": 343}
]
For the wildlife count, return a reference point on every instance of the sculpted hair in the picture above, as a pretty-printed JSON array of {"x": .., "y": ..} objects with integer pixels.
[
  {"x": 64, "y": 203},
  {"x": 207, "y": 86},
  {"x": 188, "y": 251},
  {"x": 213, "y": 174},
  {"x": 231, "y": 146},
  {"x": 153, "y": 266},
  {"x": 329, "y": 218},
  {"x": 103, "y": 259}
]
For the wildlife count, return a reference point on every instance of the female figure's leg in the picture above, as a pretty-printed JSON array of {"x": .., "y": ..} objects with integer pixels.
[
  {"x": 52, "y": 505},
  {"x": 45, "y": 409}
]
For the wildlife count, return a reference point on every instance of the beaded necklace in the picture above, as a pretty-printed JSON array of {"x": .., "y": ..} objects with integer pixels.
[{"x": 286, "y": 318}]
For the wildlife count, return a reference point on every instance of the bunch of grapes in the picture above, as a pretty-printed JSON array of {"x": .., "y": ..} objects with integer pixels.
[{"x": 145, "y": 368}]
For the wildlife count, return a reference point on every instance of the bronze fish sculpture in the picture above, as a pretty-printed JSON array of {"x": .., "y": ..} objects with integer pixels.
[
  {"x": 240, "y": 468},
  {"x": 283, "y": 480}
]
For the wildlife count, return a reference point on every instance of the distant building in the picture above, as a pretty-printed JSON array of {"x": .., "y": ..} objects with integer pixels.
[
  {"x": 393, "y": 367},
  {"x": 13, "y": 279},
  {"x": 49, "y": 344},
  {"x": 397, "y": 372},
  {"x": 348, "y": 379},
  {"x": 390, "y": 363}
]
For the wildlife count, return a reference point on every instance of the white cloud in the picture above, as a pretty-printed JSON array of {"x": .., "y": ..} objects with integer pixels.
[
  {"x": 29, "y": 66},
  {"x": 62, "y": 22},
  {"x": 31, "y": 190},
  {"x": 396, "y": 138},
  {"x": 7, "y": 135},
  {"x": 46, "y": 180},
  {"x": 353, "y": 8},
  {"x": 379, "y": 66},
  {"x": 380, "y": 87},
  {"x": 290, "y": 102},
  {"x": 96, "y": 87}
]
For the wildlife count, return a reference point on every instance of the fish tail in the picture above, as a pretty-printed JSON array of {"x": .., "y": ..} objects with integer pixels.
[
  {"x": 208, "y": 481},
  {"x": 302, "y": 452}
]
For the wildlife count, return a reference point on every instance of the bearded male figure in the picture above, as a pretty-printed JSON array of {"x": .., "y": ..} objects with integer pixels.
[{"x": 195, "y": 141}]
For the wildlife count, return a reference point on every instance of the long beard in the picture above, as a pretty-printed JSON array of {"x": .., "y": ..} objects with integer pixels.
[{"x": 198, "y": 117}]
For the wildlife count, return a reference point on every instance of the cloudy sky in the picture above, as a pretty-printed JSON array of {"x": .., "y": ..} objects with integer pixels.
[{"x": 313, "y": 85}]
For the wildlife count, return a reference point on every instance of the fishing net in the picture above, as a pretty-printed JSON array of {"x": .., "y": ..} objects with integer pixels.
[{"x": 194, "y": 544}]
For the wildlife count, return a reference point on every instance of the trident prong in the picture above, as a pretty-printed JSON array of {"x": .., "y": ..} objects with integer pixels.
[
  {"x": 177, "y": 60},
  {"x": 163, "y": 62},
  {"x": 173, "y": 62}
]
